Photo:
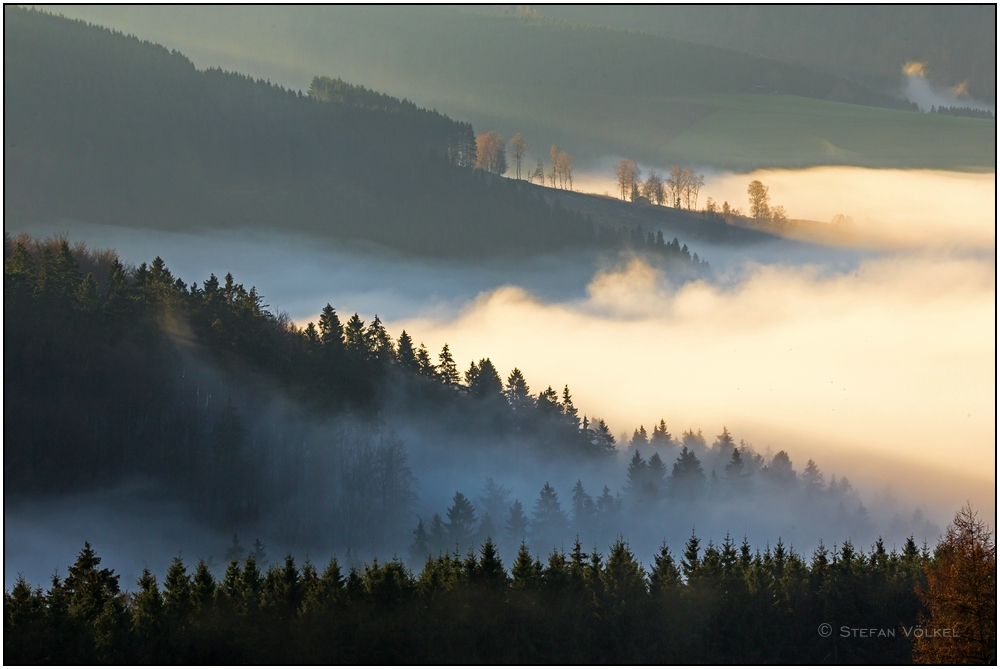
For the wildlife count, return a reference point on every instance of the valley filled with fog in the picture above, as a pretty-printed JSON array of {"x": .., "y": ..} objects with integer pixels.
[{"x": 872, "y": 356}]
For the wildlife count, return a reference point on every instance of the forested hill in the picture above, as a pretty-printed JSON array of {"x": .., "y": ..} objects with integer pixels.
[{"x": 104, "y": 127}]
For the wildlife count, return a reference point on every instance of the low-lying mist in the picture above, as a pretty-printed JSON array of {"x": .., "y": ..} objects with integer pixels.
[
  {"x": 918, "y": 88},
  {"x": 877, "y": 364},
  {"x": 874, "y": 208}
]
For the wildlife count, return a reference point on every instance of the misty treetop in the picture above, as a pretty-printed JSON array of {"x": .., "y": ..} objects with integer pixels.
[
  {"x": 116, "y": 372},
  {"x": 719, "y": 603},
  {"x": 113, "y": 372}
]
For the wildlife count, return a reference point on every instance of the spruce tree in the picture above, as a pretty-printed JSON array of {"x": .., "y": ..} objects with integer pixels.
[
  {"x": 419, "y": 549},
  {"x": 461, "y": 521},
  {"x": 660, "y": 437},
  {"x": 447, "y": 371},
  {"x": 637, "y": 474},
  {"x": 549, "y": 520},
  {"x": 330, "y": 329},
  {"x": 517, "y": 522},
  {"x": 405, "y": 354},
  {"x": 526, "y": 571}
]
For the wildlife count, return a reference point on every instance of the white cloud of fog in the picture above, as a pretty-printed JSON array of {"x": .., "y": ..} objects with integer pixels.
[
  {"x": 879, "y": 365},
  {"x": 888, "y": 208},
  {"x": 892, "y": 363},
  {"x": 919, "y": 89}
]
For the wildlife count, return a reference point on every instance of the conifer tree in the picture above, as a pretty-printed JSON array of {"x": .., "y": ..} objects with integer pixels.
[
  {"x": 354, "y": 337},
  {"x": 405, "y": 354},
  {"x": 461, "y": 521},
  {"x": 660, "y": 437},
  {"x": 330, "y": 329},
  {"x": 637, "y": 473},
  {"x": 665, "y": 577},
  {"x": 446, "y": 370},
  {"x": 202, "y": 586},
  {"x": 603, "y": 439},
  {"x": 526, "y": 571},
  {"x": 419, "y": 549},
  {"x": 517, "y": 522},
  {"x": 583, "y": 506},
  {"x": 549, "y": 520},
  {"x": 424, "y": 364},
  {"x": 656, "y": 475},
  {"x": 686, "y": 478},
  {"x": 692, "y": 560},
  {"x": 437, "y": 538},
  {"x": 177, "y": 599}
]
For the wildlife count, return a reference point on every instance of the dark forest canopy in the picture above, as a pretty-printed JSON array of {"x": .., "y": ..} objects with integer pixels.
[
  {"x": 724, "y": 603},
  {"x": 114, "y": 373},
  {"x": 103, "y": 127}
]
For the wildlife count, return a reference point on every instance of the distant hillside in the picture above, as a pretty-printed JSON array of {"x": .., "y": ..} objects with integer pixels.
[
  {"x": 868, "y": 43},
  {"x": 594, "y": 91},
  {"x": 106, "y": 128}
]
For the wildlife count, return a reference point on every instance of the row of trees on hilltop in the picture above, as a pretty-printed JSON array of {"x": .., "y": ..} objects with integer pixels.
[
  {"x": 718, "y": 603},
  {"x": 492, "y": 157},
  {"x": 680, "y": 189}
]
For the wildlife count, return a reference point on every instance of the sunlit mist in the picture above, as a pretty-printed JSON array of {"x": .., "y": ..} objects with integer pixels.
[
  {"x": 878, "y": 208},
  {"x": 894, "y": 361}
]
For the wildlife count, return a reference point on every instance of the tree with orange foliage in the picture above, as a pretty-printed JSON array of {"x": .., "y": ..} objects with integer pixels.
[{"x": 961, "y": 597}]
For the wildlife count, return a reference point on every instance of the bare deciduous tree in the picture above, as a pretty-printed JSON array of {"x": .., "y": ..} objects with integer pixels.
[
  {"x": 491, "y": 152},
  {"x": 627, "y": 172},
  {"x": 518, "y": 147},
  {"x": 653, "y": 190},
  {"x": 759, "y": 210}
]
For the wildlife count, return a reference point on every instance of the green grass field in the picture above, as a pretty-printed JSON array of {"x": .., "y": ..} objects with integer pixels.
[{"x": 758, "y": 131}]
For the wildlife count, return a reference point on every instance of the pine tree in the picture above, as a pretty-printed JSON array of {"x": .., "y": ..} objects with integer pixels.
[
  {"x": 691, "y": 562},
  {"x": 354, "y": 337},
  {"x": 583, "y": 506},
  {"x": 517, "y": 522},
  {"x": 419, "y": 549},
  {"x": 437, "y": 539},
  {"x": 812, "y": 478},
  {"x": 661, "y": 438},
  {"x": 461, "y": 521},
  {"x": 447, "y": 372},
  {"x": 526, "y": 572},
  {"x": 202, "y": 586},
  {"x": 687, "y": 478},
  {"x": 639, "y": 439},
  {"x": 177, "y": 597},
  {"x": 424, "y": 364},
  {"x": 258, "y": 554},
  {"x": 88, "y": 297},
  {"x": 330, "y": 329},
  {"x": 637, "y": 474},
  {"x": 236, "y": 550},
  {"x": 405, "y": 354},
  {"x": 147, "y": 616},
  {"x": 665, "y": 577},
  {"x": 603, "y": 439},
  {"x": 379, "y": 343},
  {"x": 549, "y": 518},
  {"x": 491, "y": 572},
  {"x": 518, "y": 395},
  {"x": 656, "y": 475},
  {"x": 724, "y": 442},
  {"x": 483, "y": 380}
]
